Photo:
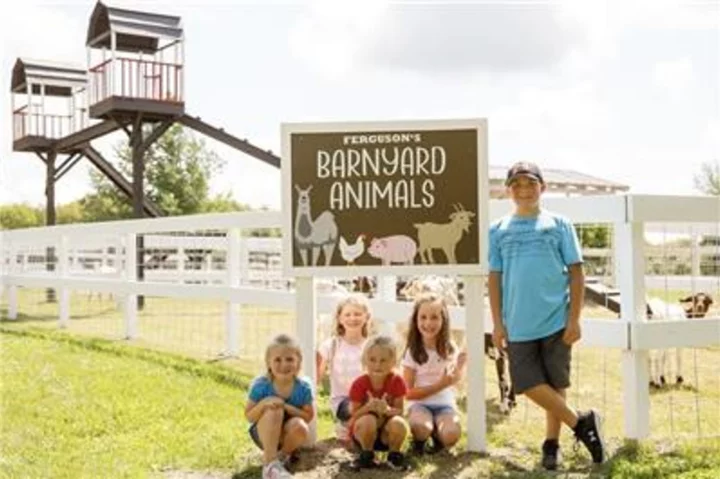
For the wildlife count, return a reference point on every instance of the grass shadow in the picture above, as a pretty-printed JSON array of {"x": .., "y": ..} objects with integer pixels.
[
  {"x": 494, "y": 415},
  {"x": 686, "y": 387}
]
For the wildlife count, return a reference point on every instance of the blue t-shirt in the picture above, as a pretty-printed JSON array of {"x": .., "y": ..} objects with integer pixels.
[
  {"x": 300, "y": 396},
  {"x": 533, "y": 254}
]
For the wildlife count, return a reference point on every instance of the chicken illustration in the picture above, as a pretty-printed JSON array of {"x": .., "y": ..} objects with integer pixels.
[{"x": 351, "y": 252}]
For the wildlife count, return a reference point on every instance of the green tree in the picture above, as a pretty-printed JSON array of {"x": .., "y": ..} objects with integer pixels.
[
  {"x": 223, "y": 203},
  {"x": 72, "y": 212},
  {"x": 594, "y": 236},
  {"x": 20, "y": 215},
  {"x": 178, "y": 168},
  {"x": 708, "y": 180}
]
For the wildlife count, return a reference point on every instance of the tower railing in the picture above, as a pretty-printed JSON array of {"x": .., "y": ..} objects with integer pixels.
[{"x": 135, "y": 78}]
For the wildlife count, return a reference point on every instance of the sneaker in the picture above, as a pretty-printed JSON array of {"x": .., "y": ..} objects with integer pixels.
[
  {"x": 588, "y": 432},
  {"x": 364, "y": 460},
  {"x": 396, "y": 461},
  {"x": 550, "y": 452},
  {"x": 275, "y": 470},
  {"x": 418, "y": 448},
  {"x": 288, "y": 460}
]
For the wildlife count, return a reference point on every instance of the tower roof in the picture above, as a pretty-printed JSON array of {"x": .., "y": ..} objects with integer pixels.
[
  {"x": 135, "y": 30},
  {"x": 59, "y": 78}
]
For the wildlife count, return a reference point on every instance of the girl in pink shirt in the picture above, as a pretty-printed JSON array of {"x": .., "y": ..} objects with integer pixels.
[
  {"x": 341, "y": 355},
  {"x": 432, "y": 365}
]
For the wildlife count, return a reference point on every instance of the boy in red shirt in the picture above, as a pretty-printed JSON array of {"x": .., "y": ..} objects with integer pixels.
[{"x": 376, "y": 404}]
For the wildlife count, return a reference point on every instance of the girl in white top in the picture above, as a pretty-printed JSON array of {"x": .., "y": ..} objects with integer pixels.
[
  {"x": 432, "y": 365},
  {"x": 341, "y": 355}
]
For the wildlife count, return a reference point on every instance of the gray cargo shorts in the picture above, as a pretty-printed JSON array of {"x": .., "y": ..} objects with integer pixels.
[{"x": 540, "y": 361}]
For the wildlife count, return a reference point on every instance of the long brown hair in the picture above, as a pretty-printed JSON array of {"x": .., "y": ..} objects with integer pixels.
[{"x": 414, "y": 344}]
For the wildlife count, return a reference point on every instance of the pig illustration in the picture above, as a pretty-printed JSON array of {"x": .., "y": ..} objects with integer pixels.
[{"x": 393, "y": 249}]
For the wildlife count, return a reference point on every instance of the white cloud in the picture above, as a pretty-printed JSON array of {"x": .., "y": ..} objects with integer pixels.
[
  {"x": 674, "y": 77},
  {"x": 336, "y": 37}
]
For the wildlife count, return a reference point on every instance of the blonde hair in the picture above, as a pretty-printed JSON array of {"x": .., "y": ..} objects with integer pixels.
[
  {"x": 358, "y": 300},
  {"x": 282, "y": 341},
  {"x": 380, "y": 341}
]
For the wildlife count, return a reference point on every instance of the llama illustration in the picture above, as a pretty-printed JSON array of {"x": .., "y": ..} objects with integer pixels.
[
  {"x": 444, "y": 236},
  {"x": 312, "y": 235}
]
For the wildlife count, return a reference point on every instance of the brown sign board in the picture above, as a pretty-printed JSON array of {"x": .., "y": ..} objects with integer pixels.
[{"x": 384, "y": 198}]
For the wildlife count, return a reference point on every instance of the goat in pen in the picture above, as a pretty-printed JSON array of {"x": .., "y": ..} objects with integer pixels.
[{"x": 691, "y": 307}]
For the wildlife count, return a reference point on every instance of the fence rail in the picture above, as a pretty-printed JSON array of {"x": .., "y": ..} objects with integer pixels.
[{"x": 227, "y": 275}]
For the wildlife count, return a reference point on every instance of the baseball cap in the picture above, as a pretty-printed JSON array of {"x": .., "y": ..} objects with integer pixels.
[{"x": 523, "y": 168}]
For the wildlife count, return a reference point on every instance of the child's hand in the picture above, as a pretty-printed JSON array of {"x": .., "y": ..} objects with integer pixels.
[
  {"x": 461, "y": 360},
  {"x": 572, "y": 333},
  {"x": 499, "y": 337},
  {"x": 377, "y": 405},
  {"x": 382, "y": 405},
  {"x": 451, "y": 376},
  {"x": 272, "y": 402}
]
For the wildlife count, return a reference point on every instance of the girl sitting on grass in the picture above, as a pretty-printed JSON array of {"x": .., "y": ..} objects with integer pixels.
[
  {"x": 280, "y": 407},
  {"x": 432, "y": 365}
]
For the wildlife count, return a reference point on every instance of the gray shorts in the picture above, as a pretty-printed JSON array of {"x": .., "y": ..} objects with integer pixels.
[{"x": 540, "y": 361}]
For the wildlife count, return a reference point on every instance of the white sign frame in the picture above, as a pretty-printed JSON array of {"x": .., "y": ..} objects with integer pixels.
[{"x": 481, "y": 223}]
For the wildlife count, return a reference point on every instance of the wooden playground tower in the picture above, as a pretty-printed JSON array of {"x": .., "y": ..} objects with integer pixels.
[{"x": 134, "y": 81}]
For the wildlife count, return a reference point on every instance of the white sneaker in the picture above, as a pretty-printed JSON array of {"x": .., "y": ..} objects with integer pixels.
[{"x": 275, "y": 470}]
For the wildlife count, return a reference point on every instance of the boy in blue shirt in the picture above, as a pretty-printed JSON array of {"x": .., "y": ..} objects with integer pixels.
[{"x": 536, "y": 287}]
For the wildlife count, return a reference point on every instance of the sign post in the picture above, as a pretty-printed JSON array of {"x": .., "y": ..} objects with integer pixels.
[{"x": 388, "y": 198}]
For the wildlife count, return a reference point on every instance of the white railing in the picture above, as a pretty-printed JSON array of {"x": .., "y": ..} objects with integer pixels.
[{"x": 627, "y": 215}]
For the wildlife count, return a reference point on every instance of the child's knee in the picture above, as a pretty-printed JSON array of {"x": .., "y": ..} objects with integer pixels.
[
  {"x": 449, "y": 429},
  {"x": 272, "y": 416},
  {"x": 366, "y": 426},
  {"x": 297, "y": 428},
  {"x": 397, "y": 427},
  {"x": 420, "y": 428}
]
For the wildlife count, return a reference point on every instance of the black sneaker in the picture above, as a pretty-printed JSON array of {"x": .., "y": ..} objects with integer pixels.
[
  {"x": 550, "y": 452},
  {"x": 588, "y": 432},
  {"x": 418, "y": 447},
  {"x": 365, "y": 460},
  {"x": 396, "y": 461}
]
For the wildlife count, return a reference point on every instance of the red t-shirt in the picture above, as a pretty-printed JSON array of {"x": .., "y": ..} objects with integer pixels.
[{"x": 394, "y": 386}]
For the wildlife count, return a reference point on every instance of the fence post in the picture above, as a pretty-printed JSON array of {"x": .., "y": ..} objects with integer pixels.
[
  {"x": 305, "y": 319},
  {"x": 475, "y": 336},
  {"x": 12, "y": 289},
  {"x": 62, "y": 273},
  {"x": 232, "y": 315},
  {"x": 131, "y": 306},
  {"x": 630, "y": 273},
  {"x": 386, "y": 291}
]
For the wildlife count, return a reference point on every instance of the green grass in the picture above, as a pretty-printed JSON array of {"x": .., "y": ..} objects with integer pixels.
[
  {"x": 89, "y": 408},
  {"x": 74, "y": 405},
  {"x": 78, "y": 407}
]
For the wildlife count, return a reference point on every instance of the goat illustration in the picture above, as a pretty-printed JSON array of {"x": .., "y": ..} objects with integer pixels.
[
  {"x": 313, "y": 234},
  {"x": 444, "y": 236}
]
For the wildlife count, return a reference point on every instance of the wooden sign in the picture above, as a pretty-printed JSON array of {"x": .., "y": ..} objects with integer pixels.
[{"x": 384, "y": 198}]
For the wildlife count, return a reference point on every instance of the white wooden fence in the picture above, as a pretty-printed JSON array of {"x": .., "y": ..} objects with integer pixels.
[{"x": 627, "y": 215}]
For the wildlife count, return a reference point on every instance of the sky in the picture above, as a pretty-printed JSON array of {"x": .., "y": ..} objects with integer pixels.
[{"x": 625, "y": 90}]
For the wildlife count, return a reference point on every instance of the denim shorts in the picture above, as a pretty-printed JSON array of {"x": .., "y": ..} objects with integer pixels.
[
  {"x": 342, "y": 413},
  {"x": 434, "y": 410}
]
